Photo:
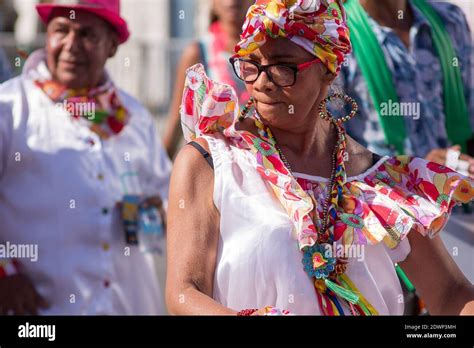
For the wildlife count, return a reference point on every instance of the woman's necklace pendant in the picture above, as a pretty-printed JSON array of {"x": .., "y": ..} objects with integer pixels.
[{"x": 319, "y": 261}]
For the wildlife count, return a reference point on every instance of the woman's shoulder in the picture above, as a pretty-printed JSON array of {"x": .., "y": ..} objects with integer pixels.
[
  {"x": 208, "y": 148},
  {"x": 190, "y": 165}
]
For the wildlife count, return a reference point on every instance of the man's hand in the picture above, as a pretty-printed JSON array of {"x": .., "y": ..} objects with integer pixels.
[
  {"x": 440, "y": 155},
  {"x": 19, "y": 297}
]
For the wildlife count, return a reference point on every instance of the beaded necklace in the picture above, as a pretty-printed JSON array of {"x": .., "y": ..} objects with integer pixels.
[
  {"x": 327, "y": 202},
  {"x": 327, "y": 272}
]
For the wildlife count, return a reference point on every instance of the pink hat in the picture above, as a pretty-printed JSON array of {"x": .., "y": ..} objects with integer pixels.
[{"x": 109, "y": 10}]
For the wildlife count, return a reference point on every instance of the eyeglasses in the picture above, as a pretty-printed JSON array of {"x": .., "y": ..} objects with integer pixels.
[{"x": 282, "y": 75}]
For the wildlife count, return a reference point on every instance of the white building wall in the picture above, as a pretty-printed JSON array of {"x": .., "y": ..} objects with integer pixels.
[
  {"x": 141, "y": 64},
  {"x": 26, "y": 26}
]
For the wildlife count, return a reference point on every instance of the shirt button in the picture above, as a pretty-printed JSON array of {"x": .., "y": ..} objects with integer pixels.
[
  {"x": 105, "y": 246},
  {"x": 105, "y": 211},
  {"x": 100, "y": 177},
  {"x": 106, "y": 283}
]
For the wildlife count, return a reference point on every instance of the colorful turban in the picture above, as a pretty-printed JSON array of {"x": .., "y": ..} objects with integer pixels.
[{"x": 318, "y": 26}]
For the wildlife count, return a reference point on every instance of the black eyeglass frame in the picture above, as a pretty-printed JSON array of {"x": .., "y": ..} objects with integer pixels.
[{"x": 295, "y": 67}]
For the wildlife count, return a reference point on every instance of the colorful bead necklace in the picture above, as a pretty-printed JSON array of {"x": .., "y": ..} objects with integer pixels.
[{"x": 328, "y": 272}]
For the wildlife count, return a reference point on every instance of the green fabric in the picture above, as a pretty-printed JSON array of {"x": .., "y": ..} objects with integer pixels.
[
  {"x": 99, "y": 116},
  {"x": 374, "y": 68},
  {"x": 404, "y": 278},
  {"x": 381, "y": 86}
]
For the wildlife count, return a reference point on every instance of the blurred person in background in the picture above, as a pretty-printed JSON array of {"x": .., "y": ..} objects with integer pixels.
[
  {"x": 411, "y": 75},
  {"x": 213, "y": 51},
  {"x": 468, "y": 7},
  {"x": 5, "y": 69},
  {"x": 68, "y": 136},
  {"x": 8, "y": 17},
  {"x": 412, "y": 55}
]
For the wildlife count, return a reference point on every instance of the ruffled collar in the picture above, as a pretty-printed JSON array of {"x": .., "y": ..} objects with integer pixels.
[{"x": 209, "y": 107}]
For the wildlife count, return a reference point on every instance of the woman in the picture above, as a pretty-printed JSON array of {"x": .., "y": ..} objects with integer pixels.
[
  {"x": 213, "y": 51},
  {"x": 261, "y": 229}
]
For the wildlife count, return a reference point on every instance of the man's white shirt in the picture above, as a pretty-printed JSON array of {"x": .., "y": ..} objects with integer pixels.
[{"x": 59, "y": 184}]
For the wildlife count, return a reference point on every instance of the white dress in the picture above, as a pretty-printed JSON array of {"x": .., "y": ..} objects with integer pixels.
[{"x": 258, "y": 261}]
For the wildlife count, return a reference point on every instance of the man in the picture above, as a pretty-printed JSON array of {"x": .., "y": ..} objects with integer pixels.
[
  {"x": 8, "y": 17},
  {"x": 69, "y": 142},
  {"x": 415, "y": 95},
  {"x": 401, "y": 82},
  {"x": 5, "y": 70}
]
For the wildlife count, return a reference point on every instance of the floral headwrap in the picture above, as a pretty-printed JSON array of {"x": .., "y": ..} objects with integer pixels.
[{"x": 318, "y": 26}]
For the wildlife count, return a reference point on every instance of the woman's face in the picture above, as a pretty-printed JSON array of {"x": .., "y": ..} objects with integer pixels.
[
  {"x": 288, "y": 107},
  {"x": 232, "y": 11}
]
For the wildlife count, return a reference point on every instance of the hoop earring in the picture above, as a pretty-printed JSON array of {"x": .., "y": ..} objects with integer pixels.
[
  {"x": 326, "y": 115},
  {"x": 245, "y": 110}
]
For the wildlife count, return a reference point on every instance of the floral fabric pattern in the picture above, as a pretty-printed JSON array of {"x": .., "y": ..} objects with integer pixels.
[
  {"x": 404, "y": 193},
  {"x": 317, "y": 26},
  {"x": 109, "y": 115},
  {"x": 399, "y": 195}
]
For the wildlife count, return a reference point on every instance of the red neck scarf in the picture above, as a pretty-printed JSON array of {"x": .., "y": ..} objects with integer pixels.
[{"x": 100, "y": 106}]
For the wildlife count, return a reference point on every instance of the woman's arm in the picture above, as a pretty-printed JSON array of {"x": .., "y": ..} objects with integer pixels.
[
  {"x": 437, "y": 278},
  {"x": 191, "y": 56},
  {"x": 193, "y": 234}
]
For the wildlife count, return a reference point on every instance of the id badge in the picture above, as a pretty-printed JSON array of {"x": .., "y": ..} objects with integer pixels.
[{"x": 130, "y": 218}]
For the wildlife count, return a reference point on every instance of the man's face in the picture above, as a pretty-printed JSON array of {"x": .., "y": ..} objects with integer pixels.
[{"x": 78, "y": 46}]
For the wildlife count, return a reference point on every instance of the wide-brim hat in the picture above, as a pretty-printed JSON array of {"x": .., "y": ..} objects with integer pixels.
[{"x": 108, "y": 10}]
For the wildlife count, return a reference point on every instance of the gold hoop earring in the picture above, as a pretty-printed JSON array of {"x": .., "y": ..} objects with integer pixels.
[
  {"x": 246, "y": 109},
  {"x": 326, "y": 115}
]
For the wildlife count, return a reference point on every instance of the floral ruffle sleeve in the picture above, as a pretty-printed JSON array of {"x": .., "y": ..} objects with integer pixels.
[{"x": 403, "y": 194}]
